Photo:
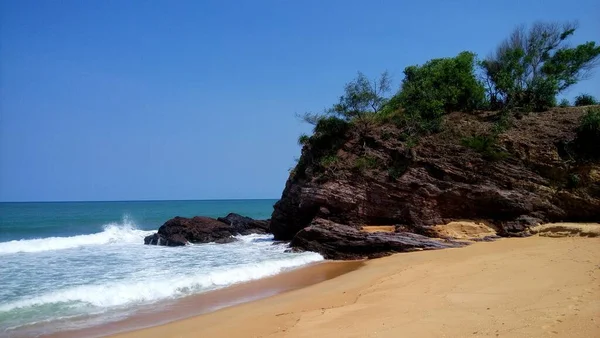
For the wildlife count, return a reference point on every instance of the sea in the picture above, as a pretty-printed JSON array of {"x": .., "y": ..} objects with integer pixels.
[{"x": 71, "y": 265}]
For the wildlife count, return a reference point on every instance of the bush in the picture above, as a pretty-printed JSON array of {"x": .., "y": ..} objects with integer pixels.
[
  {"x": 330, "y": 164},
  {"x": 588, "y": 133},
  {"x": 398, "y": 166},
  {"x": 362, "y": 97},
  {"x": 585, "y": 100},
  {"x": 573, "y": 181},
  {"x": 329, "y": 161},
  {"x": 442, "y": 86},
  {"x": 366, "y": 162},
  {"x": 564, "y": 103},
  {"x": 532, "y": 66},
  {"x": 328, "y": 137},
  {"x": 429, "y": 91},
  {"x": 486, "y": 145},
  {"x": 590, "y": 122},
  {"x": 303, "y": 139}
]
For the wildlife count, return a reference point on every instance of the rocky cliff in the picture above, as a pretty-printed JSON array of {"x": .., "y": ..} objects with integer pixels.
[{"x": 534, "y": 172}]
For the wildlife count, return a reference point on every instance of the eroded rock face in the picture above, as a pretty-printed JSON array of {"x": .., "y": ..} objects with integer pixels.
[
  {"x": 180, "y": 230},
  {"x": 440, "y": 180},
  {"x": 158, "y": 239},
  {"x": 197, "y": 229},
  {"x": 245, "y": 225},
  {"x": 338, "y": 241}
]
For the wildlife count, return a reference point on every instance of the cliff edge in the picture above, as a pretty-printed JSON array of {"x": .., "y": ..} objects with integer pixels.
[{"x": 535, "y": 171}]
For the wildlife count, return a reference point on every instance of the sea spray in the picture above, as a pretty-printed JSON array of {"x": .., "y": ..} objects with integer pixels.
[
  {"x": 125, "y": 232},
  {"x": 109, "y": 274},
  {"x": 109, "y": 294}
]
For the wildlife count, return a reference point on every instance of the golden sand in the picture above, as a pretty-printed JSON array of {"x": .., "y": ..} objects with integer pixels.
[
  {"x": 378, "y": 228},
  {"x": 515, "y": 287}
]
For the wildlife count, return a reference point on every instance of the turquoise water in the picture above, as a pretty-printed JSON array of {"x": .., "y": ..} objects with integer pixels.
[
  {"x": 78, "y": 264},
  {"x": 35, "y": 220}
]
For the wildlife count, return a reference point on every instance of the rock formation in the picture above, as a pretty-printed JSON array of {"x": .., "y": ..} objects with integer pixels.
[
  {"x": 180, "y": 230},
  {"x": 534, "y": 175},
  {"x": 245, "y": 225},
  {"x": 338, "y": 241}
]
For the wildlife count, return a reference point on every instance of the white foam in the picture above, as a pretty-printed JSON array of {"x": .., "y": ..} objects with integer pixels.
[
  {"x": 124, "y": 232},
  {"x": 125, "y": 293}
]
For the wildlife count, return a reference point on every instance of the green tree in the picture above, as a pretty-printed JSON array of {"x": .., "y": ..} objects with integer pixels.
[
  {"x": 531, "y": 67},
  {"x": 442, "y": 85},
  {"x": 588, "y": 133},
  {"x": 564, "y": 103},
  {"x": 585, "y": 100},
  {"x": 362, "y": 96}
]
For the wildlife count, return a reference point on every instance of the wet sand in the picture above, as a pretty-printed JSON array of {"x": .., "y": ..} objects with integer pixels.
[
  {"x": 166, "y": 312},
  {"x": 516, "y": 287}
]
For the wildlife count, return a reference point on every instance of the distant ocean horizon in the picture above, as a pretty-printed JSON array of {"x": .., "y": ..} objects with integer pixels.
[{"x": 70, "y": 265}]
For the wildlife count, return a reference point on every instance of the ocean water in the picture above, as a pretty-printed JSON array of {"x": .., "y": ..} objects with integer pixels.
[{"x": 78, "y": 264}]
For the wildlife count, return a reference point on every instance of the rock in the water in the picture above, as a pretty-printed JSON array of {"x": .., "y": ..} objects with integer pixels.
[
  {"x": 338, "y": 241},
  {"x": 245, "y": 225},
  {"x": 180, "y": 230},
  {"x": 158, "y": 239}
]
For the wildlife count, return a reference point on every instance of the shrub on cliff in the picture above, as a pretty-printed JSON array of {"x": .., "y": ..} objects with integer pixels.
[
  {"x": 429, "y": 91},
  {"x": 531, "y": 67},
  {"x": 486, "y": 145},
  {"x": 564, "y": 103},
  {"x": 365, "y": 162},
  {"x": 303, "y": 139},
  {"x": 361, "y": 97},
  {"x": 329, "y": 136},
  {"x": 588, "y": 133},
  {"x": 441, "y": 86},
  {"x": 585, "y": 100}
]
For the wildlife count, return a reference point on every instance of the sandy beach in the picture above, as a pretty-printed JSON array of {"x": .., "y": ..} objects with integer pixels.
[{"x": 515, "y": 287}]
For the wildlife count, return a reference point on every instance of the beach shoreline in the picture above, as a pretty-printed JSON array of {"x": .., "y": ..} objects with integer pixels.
[
  {"x": 535, "y": 286},
  {"x": 169, "y": 311}
]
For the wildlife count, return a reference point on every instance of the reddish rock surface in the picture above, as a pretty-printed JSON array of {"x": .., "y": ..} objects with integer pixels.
[
  {"x": 440, "y": 180},
  {"x": 245, "y": 225},
  {"x": 180, "y": 230},
  {"x": 338, "y": 241}
]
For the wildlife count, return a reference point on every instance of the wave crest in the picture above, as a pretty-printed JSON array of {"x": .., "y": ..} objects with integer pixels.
[
  {"x": 143, "y": 291},
  {"x": 124, "y": 232}
]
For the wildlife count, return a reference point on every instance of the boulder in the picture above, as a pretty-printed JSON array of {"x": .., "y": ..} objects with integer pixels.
[
  {"x": 158, "y": 239},
  {"x": 339, "y": 241},
  {"x": 181, "y": 230},
  {"x": 245, "y": 225}
]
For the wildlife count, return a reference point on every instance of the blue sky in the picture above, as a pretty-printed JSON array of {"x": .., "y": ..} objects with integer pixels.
[{"x": 119, "y": 100}]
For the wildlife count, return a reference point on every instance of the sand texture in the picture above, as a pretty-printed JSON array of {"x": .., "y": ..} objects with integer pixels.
[{"x": 516, "y": 287}]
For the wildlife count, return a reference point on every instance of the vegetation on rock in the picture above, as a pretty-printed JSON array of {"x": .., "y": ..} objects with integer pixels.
[
  {"x": 588, "y": 133},
  {"x": 531, "y": 67},
  {"x": 455, "y": 142},
  {"x": 525, "y": 73},
  {"x": 585, "y": 100}
]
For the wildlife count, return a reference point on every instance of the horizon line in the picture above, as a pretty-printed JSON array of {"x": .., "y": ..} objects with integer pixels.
[{"x": 147, "y": 200}]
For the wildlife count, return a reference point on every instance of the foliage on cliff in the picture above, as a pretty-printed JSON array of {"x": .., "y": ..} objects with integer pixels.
[
  {"x": 453, "y": 143},
  {"x": 524, "y": 74}
]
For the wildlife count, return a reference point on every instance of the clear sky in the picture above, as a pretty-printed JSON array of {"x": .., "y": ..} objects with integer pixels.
[{"x": 120, "y": 100}]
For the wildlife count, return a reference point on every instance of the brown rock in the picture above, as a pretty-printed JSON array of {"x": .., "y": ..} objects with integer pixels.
[
  {"x": 338, "y": 241},
  {"x": 245, "y": 225},
  {"x": 440, "y": 180},
  {"x": 180, "y": 230}
]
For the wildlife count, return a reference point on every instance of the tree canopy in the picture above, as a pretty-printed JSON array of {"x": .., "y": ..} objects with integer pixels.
[
  {"x": 530, "y": 67},
  {"x": 442, "y": 85},
  {"x": 362, "y": 96}
]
